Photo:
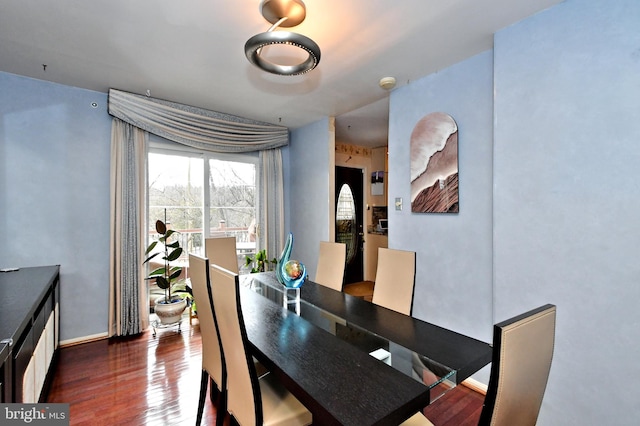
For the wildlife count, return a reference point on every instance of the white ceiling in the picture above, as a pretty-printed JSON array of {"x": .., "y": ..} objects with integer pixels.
[{"x": 193, "y": 52}]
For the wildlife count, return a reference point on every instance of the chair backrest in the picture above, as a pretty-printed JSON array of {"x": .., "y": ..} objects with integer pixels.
[
  {"x": 221, "y": 251},
  {"x": 331, "y": 263},
  {"x": 243, "y": 389},
  {"x": 522, "y": 353},
  {"x": 395, "y": 279},
  {"x": 212, "y": 360}
]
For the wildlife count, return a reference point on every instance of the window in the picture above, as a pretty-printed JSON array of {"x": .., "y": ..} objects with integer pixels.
[
  {"x": 232, "y": 205},
  {"x": 176, "y": 197},
  {"x": 346, "y": 221},
  {"x": 203, "y": 195}
]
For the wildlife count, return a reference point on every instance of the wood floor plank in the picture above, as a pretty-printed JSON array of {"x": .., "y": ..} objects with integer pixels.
[
  {"x": 146, "y": 380},
  {"x": 140, "y": 380}
]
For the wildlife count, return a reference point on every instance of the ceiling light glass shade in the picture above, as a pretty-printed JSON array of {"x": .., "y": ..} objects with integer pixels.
[
  {"x": 253, "y": 46},
  {"x": 285, "y": 13}
]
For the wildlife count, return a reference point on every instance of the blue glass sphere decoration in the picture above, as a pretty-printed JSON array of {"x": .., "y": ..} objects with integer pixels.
[
  {"x": 294, "y": 273},
  {"x": 290, "y": 273}
]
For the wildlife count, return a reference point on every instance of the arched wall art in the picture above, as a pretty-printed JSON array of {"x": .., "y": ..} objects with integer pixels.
[{"x": 434, "y": 165}]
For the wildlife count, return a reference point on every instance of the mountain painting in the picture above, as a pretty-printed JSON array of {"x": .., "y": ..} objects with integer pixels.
[{"x": 434, "y": 165}]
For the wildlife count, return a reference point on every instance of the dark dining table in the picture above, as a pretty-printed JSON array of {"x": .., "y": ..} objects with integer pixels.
[{"x": 349, "y": 361}]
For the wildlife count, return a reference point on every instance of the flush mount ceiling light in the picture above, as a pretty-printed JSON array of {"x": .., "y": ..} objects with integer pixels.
[{"x": 282, "y": 13}]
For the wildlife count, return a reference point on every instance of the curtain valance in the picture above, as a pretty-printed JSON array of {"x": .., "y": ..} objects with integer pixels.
[{"x": 196, "y": 127}]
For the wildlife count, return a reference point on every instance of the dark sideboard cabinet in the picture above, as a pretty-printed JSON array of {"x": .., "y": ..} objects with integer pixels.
[{"x": 29, "y": 332}]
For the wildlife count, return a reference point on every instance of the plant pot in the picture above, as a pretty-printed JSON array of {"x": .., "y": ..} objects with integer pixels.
[{"x": 169, "y": 313}]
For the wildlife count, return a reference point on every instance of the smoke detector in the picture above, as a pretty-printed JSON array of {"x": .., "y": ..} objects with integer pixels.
[{"x": 387, "y": 83}]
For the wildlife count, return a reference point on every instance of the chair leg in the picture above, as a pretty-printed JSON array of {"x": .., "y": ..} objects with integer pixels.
[
  {"x": 214, "y": 393},
  {"x": 220, "y": 416},
  {"x": 203, "y": 394},
  {"x": 221, "y": 405}
]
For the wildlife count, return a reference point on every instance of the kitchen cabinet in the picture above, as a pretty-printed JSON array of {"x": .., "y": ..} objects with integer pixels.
[{"x": 29, "y": 331}]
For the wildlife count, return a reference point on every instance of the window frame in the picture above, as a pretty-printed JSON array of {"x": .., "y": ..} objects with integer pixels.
[{"x": 158, "y": 145}]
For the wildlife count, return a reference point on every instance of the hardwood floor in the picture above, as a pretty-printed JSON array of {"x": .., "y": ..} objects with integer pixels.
[
  {"x": 460, "y": 406},
  {"x": 144, "y": 380},
  {"x": 135, "y": 381}
]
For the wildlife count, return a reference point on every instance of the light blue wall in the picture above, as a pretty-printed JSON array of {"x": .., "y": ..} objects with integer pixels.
[
  {"x": 54, "y": 192},
  {"x": 567, "y": 197},
  {"x": 564, "y": 187},
  {"x": 453, "y": 251},
  {"x": 549, "y": 139},
  {"x": 308, "y": 191}
]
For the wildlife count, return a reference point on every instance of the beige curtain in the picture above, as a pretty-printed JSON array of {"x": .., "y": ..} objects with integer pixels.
[
  {"x": 134, "y": 116},
  {"x": 271, "y": 214},
  {"x": 196, "y": 127},
  {"x": 128, "y": 299}
]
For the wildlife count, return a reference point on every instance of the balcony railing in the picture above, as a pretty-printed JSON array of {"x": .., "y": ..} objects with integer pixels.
[{"x": 192, "y": 240}]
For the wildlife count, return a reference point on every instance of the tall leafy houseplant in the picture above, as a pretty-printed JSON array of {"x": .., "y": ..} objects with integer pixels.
[{"x": 166, "y": 275}]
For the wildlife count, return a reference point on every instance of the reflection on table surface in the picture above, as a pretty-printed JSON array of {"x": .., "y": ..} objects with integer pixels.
[{"x": 438, "y": 377}]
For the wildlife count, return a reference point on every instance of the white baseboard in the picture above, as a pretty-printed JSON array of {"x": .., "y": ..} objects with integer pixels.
[
  {"x": 475, "y": 385},
  {"x": 84, "y": 339}
]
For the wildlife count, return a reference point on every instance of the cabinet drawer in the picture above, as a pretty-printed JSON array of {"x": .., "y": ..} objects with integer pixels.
[
  {"x": 50, "y": 333},
  {"x": 21, "y": 359},
  {"x": 39, "y": 366},
  {"x": 28, "y": 385},
  {"x": 39, "y": 320}
]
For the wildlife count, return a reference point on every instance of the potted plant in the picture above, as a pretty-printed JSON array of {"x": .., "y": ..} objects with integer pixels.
[
  {"x": 169, "y": 307},
  {"x": 260, "y": 262}
]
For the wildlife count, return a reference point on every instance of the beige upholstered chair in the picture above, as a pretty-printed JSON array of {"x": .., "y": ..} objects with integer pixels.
[
  {"x": 395, "y": 279},
  {"x": 212, "y": 363},
  {"x": 222, "y": 251},
  {"x": 251, "y": 401},
  {"x": 331, "y": 263},
  {"x": 520, "y": 367},
  {"x": 522, "y": 354}
]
